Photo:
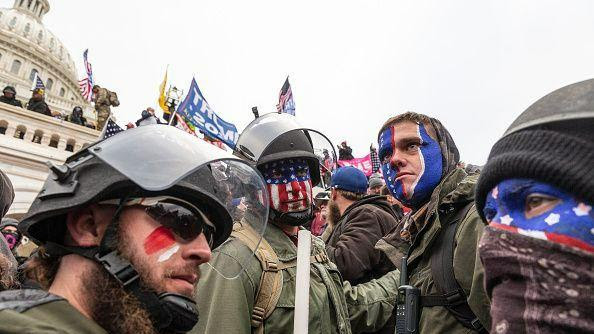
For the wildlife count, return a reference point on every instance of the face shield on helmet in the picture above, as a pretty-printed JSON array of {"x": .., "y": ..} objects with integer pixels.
[
  {"x": 292, "y": 158},
  {"x": 164, "y": 160},
  {"x": 275, "y": 136}
]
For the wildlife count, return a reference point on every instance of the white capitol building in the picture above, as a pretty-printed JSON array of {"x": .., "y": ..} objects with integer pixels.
[{"x": 29, "y": 139}]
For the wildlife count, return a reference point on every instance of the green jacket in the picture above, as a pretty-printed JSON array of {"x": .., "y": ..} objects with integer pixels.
[
  {"x": 335, "y": 306},
  {"x": 455, "y": 190},
  {"x": 38, "y": 311}
]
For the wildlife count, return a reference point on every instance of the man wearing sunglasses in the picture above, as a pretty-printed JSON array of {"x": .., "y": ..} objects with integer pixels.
[{"x": 121, "y": 243}]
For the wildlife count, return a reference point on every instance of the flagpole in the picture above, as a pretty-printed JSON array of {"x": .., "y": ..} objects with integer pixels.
[
  {"x": 34, "y": 81},
  {"x": 172, "y": 117}
]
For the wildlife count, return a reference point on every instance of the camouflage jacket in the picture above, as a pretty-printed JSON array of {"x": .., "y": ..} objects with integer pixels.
[
  {"x": 102, "y": 98},
  {"x": 454, "y": 191},
  {"x": 334, "y": 306}
]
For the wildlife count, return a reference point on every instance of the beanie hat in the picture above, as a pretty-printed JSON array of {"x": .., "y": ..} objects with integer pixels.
[
  {"x": 544, "y": 144},
  {"x": 375, "y": 182},
  {"x": 350, "y": 179}
]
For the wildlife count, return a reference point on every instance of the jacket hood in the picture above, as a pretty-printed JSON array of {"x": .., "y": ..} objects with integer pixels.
[{"x": 449, "y": 152}]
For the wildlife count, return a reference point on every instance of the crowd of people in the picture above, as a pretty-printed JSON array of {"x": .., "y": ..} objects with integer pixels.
[
  {"x": 207, "y": 242},
  {"x": 103, "y": 99}
]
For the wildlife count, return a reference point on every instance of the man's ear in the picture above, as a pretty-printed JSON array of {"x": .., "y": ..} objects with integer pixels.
[
  {"x": 83, "y": 227},
  {"x": 333, "y": 194}
]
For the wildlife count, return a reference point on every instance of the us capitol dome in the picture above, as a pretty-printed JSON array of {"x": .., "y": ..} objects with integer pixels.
[{"x": 29, "y": 139}]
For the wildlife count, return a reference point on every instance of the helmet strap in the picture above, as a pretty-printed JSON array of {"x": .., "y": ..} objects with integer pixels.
[{"x": 161, "y": 307}]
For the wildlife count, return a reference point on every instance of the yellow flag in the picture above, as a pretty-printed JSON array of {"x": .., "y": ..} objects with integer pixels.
[{"x": 162, "y": 97}]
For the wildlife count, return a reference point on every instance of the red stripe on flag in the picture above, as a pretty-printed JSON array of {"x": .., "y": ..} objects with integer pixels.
[{"x": 283, "y": 197}]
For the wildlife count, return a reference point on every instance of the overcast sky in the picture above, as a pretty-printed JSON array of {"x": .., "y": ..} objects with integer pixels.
[{"x": 475, "y": 65}]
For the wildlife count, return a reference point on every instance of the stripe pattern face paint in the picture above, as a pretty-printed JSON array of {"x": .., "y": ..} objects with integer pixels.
[
  {"x": 289, "y": 185},
  {"x": 159, "y": 239},
  {"x": 430, "y": 166},
  {"x": 539, "y": 210}
]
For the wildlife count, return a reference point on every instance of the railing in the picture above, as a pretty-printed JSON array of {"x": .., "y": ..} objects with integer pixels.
[{"x": 41, "y": 130}]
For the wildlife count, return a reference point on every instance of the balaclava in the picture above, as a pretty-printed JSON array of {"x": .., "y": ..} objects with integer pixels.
[
  {"x": 289, "y": 185},
  {"x": 438, "y": 158},
  {"x": 536, "y": 192}
]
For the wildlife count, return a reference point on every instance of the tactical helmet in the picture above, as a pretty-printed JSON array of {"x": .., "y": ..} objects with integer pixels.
[
  {"x": 9, "y": 89},
  {"x": 174, "y": 164},
  {"x": 275, "y": 136}
]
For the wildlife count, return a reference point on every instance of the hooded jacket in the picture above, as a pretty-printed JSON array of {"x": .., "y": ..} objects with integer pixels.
[{"x": 418, "y": 230}]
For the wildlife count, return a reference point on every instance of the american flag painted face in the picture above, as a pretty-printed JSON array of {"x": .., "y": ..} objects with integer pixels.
[
  {"x": 419, "y": 155},
  {"x": 542, "y": 211},
  {"x": 289, "y": 185}
]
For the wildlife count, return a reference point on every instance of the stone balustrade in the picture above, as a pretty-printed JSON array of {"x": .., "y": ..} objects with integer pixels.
[{"x": 37, "y": 129}]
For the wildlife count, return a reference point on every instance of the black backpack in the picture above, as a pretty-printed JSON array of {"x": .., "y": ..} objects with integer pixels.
[{"x": 451, "y": 296}]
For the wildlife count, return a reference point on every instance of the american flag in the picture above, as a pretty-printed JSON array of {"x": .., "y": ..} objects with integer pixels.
[
  {"x": 285, "y": 99},
  {"x": 37, "y": 83},
  {"x": 86, "y": 84},
  {"x": 111, "y": 129},
  {"x": 289, "y": 187}
]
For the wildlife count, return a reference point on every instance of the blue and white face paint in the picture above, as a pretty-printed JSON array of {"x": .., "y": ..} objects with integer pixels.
[
  {"x": 542, "y": 211},
  {"x": 411, "y": 162}
]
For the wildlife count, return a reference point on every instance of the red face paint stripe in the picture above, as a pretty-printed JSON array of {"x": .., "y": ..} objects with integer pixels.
[
  {"x": 159, "y": 239},
  {"x": 394, "y": 152},
  {"x": 283, "y": 197}
]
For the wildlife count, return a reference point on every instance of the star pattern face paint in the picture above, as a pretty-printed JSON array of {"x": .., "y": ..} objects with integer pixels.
[
  {"x": 430, "y": 161},
  {"x": 159, "y": 239},
  {"x": 541, "y": 211},
  {"x": 289, "y": 185}
]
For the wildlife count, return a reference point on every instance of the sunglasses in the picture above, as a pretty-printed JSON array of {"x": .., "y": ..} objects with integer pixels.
[
  {"x": 182, "y": 218},
  {"x": 184, "y": 222}
]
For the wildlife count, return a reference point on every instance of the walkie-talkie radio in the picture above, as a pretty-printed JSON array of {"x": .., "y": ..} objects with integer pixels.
[{"x": 407, "y": 308}]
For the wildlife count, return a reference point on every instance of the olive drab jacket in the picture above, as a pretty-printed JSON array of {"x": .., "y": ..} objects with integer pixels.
[
  {"x": 226, "y": 305},
  {"x": 455, "y": 190},
  {"x": 38, "y": 311}
]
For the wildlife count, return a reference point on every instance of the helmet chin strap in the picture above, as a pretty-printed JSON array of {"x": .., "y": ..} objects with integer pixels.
[
  {"x": 168, "y": 311},
  {"x": 291, "y": 218}
]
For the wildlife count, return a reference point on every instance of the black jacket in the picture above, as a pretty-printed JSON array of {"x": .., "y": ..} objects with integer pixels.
[
  {"x": 345, "y": 153},
  {"x": 13, "y": 101},
  {"x": 39, "y": 106}
]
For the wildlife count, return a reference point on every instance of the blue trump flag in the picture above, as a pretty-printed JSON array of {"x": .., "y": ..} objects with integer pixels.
[{"x": 197, "y": 111}]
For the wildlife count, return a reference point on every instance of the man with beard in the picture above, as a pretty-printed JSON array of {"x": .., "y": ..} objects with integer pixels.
[
  {"x": 37, "y": 103},
  {"x": 262, "y": 298},
  {"x": 536, "y": 192},
  {"x": 439, "y": 237},
  {"x": 120, "y": 248},
  {"x": 358, "y": 222}
]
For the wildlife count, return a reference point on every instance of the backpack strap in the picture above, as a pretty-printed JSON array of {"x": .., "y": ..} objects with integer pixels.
[
  {"x": 451, "y": 296},
  {"x": 271, "y": 281}
]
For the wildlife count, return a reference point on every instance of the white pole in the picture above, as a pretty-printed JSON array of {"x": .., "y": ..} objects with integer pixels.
[{"x": 301, "y": 320}]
